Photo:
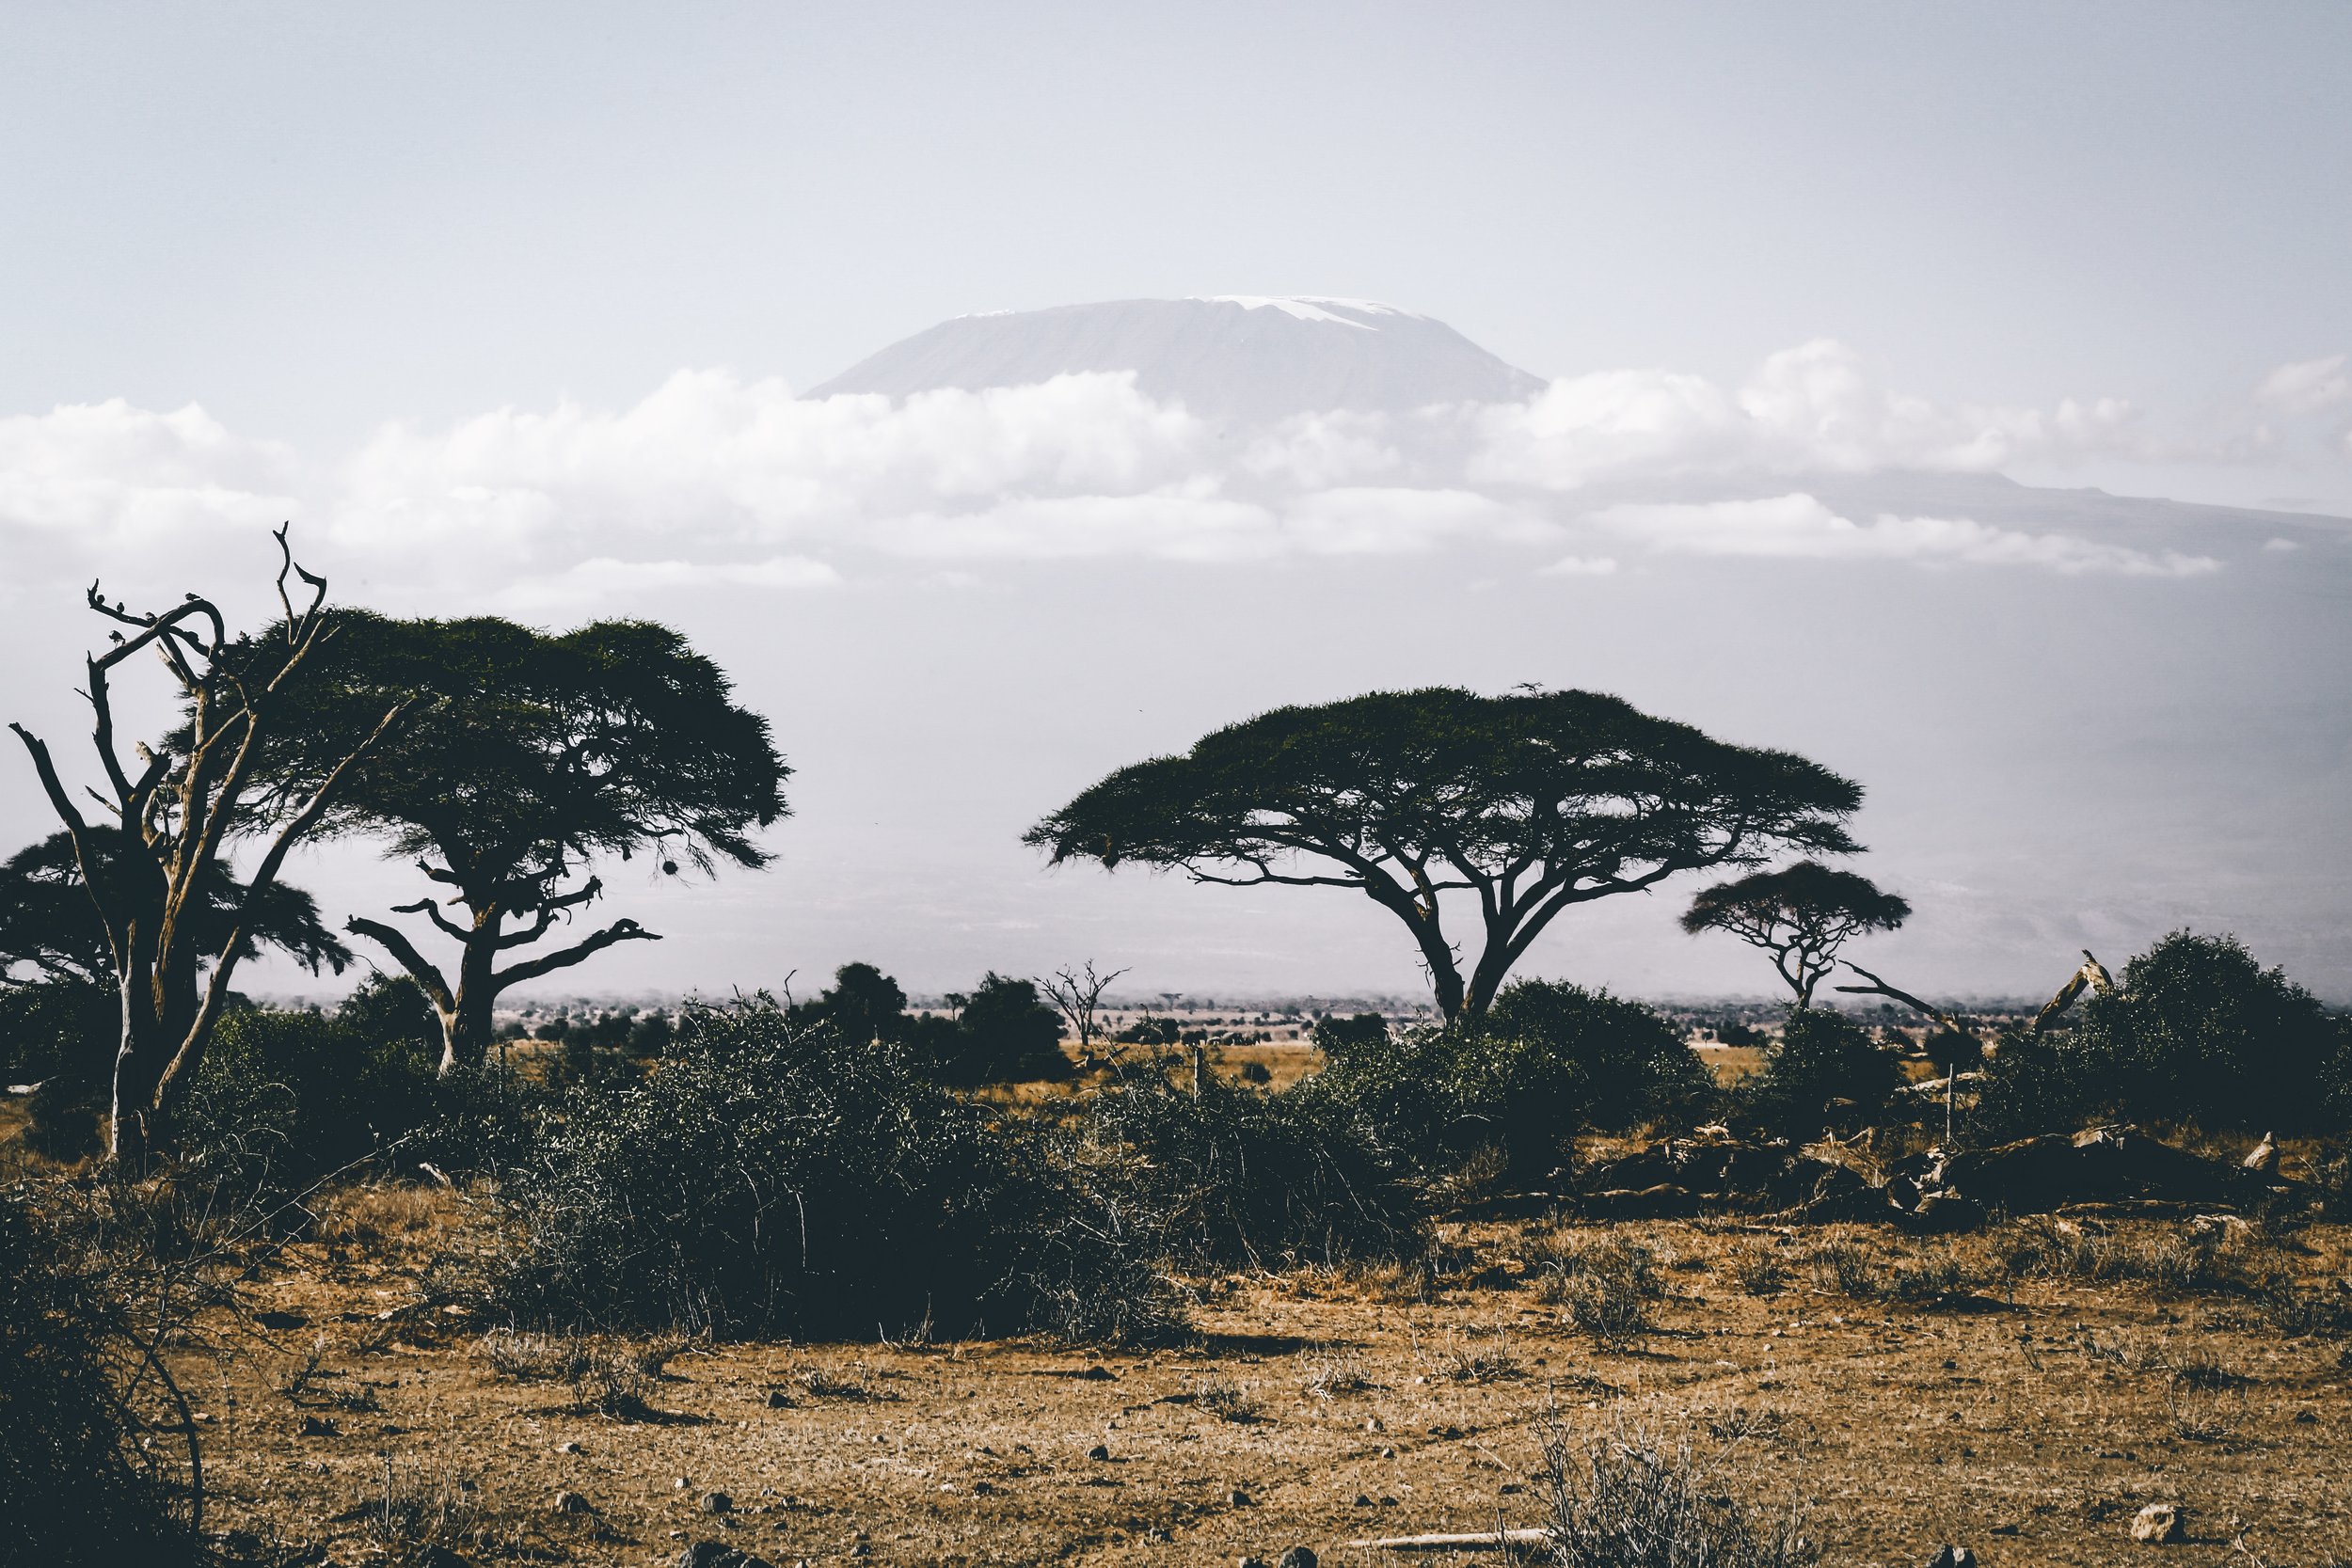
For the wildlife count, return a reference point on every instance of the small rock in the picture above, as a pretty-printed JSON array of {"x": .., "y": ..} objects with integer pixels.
[
  {"x": 1952, "y": 1556},
  {"x": 2159, "y": 1524},
  {"x": 1100, "y": 1450},
  {"x": 1375, "y": 1424},
  {"x": 1297, "y": 1556},
  {"x": 779, "y": 1400},
  {"x": 320, "y": 1426},
  {"x": 1250, "y": 1562},
  {"x": 1157, "y": 1533},
  {"x": 1363, "y": 1500},
  {"x": 717, "y": 1502},
  {"x": 280, "y": 1321},
  {"x": 1238, "y": 1498},
  {"x": 677, "y": 1483},
  {"x": 571, "y": 1502},
  {"x": 718, "y": 1554},
  {"x": 569, "y": 1447},
  {"x": 2302, "y": 1417},
  {"x": 1099, "y": 1374},
  {"x": 1387, "y": 1454},
  {"x": 984, "y": 1488}
]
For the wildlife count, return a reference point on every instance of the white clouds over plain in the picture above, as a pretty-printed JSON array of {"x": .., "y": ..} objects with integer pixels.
[
  {"x": 716, "y": 481},
  {"x": 1798, "y": 526}
]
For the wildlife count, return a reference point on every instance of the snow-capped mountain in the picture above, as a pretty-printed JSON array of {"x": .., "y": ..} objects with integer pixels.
[{"x": 1236, "y": 358}]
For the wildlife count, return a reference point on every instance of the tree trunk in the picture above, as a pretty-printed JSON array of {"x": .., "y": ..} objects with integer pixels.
[{"x": 466, "y": 1024}]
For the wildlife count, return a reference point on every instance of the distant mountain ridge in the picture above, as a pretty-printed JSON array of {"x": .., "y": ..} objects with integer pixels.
[{"x": 1234, "y": 358}]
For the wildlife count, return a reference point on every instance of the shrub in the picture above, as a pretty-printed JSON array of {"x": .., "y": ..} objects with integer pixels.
[
  {"x": 1823, "y": 1057},
  {"x": 2196, "y": 1031},
  {"x": 1631, "y": 1501},
  {"x": 1634, "y": 1065},
  {"x": 1002, "y": 1032},
  {"x": 771, "y": 1180},
  {"x": 79, "y": 1488},
  {"x": 283, "y": 1097},
  {"x": 1606, "y": 1283},
  {"x": 1441, "y": 1097},
  {"x": 60, "y": 1033},
  {"x": 1236, "y": 1177}
]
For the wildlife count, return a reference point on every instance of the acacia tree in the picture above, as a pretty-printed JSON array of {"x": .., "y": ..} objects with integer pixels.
[
  {"x": 172, "y": 944},
  {"x": 1801, "y": 915},
  {"x": 1529, "y": 803},
  {"x": 1077, "y": 995},
  {"x": 49, "y": 921},
  {"x": 540, "y": 755}
]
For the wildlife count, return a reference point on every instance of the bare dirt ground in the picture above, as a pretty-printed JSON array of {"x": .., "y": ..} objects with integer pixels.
[{"x": 1986, "y": 1390}]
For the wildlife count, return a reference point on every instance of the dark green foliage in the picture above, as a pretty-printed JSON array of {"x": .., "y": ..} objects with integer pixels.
[
  {"x": 1231, "y": 1177},
  {"x": 862, "y": 1004},
  {"x": 2197, "y": 1031},
  {"x": 1534, "y": 802},
  {"x": 285, "y": 1097},
  {"x": 57, "y": 1024},
  {"x": 73, "y": 1489},
  {"x": 1635, "y": 1067},
  {"x": 1003, "y": 1032},
  {"x": 1549, "y": 1060},
  {"x": 769, "y": 1179},
  {"x": 1149, "y": 1031},
  {"x": 47, "y": 921},
  {"x": 1336, "y": 1035},
  {"x": 1821, "y": 1058}
]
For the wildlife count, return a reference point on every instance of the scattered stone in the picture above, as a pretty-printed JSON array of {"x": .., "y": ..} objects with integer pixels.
[
  {"x": 1952, "y": 1556},
  {"x": 1250, "y": 1562},
  {"x": 280, "y": 1321},
  {"x": 1363, "y": 1500},
  {"x": 717, "y": 1502},
  {"x": 1374, "y": 1424},
  {"x": 571, "y": 1502},
  {"x": 718, "y": 1554},
  {"x": 1387, "y": 1454},
  {"x": 1238, "y": 1498},
  {"x": 569, "y": 1447},
  {"x": 320, "y": 1426},
  {"x": 1100, "y": 1452},
  {"x": 2159, "y": 1525},
  {"x": 779, "y": 1400},
  {"x": 1297, "y": 1557},
  {"x": 2265, "y": 1158},
  {"x": 1099, "y": 1374},
  {"x": 982, "y": 1488},
  {"x": 1157, "y": 1532},
  {"x": 2302, "y": 1417}
]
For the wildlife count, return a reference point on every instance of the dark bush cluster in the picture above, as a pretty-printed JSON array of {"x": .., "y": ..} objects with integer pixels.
[
  {"x": 2197, "y": 1031},
  {"x": 1548, "y": 1061},
  {"x": 78, "y": 1488},
  {"x": 1002, "y": 1031},
  {"x": 1234, "y": 1176},
  {"x": 777, "y": 1178},
  {"x": 1824, "y": 1072}
]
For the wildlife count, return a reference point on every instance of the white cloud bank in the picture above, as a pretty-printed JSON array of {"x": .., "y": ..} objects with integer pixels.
[
  {"x": 1798, "y": 526},
  {"x": 714, "y": 481}
]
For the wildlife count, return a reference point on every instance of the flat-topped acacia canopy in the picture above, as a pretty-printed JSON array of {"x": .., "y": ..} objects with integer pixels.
[{"x": 1530, "y": 801}]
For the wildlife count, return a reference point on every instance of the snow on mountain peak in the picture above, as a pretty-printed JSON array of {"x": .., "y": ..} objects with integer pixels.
[
  {"x": 1247, "y": 359},
  {"x": 1313, "y": 307}
]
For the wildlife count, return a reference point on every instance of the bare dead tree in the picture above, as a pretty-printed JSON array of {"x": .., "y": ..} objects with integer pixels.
[
  {"x": 1078, "y": 995},
  {"x": 2092, "y": 975},
  {"x": 191, "y": 794}
]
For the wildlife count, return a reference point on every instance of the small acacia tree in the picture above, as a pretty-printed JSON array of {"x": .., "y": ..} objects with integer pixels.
[
  {"x": 1529, "y": 803},
  {"x": 174, "y": 935},
  {"x": 1801, "y": 915},
  {"x": 540, "y": 754}
]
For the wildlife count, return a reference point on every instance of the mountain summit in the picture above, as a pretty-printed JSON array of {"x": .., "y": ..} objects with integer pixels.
[{"x": 1238, "y": 359}]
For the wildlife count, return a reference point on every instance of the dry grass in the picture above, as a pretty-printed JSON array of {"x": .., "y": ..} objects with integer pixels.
[{"x": 2032, "y": 1380}]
